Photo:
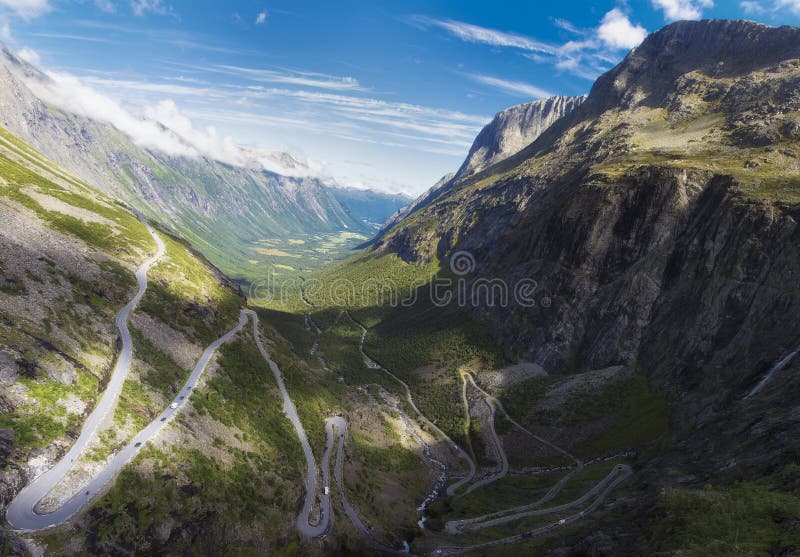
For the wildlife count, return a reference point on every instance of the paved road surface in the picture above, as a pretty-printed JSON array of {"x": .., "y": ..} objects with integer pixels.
[
  {"x": 502, "y": 470},
  {"x": 20, "y": 513},
  {"x": 621, "y": 472},
  {"x": 304, "y": 523}
]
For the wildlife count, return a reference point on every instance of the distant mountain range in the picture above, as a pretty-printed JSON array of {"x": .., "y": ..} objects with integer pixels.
[
  {"x": 221, "y": 209},
  {"x": 371, "y": 206}
]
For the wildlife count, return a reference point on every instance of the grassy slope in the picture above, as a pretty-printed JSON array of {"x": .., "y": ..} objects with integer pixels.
[
  {"x": 254, "y": 475},
  {"x": 43, "y": 419},
  {"x": 758, "y": 517}
]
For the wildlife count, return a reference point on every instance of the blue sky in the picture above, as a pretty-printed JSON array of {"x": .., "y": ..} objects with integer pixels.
[{"x": 384, "y": 94}]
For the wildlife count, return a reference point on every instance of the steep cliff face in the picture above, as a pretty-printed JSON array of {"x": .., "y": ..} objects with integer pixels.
[
  {"x": 513, "y": 129},
  {"x": 510, "y": 131},
  {"x": 659, "y": 220}
]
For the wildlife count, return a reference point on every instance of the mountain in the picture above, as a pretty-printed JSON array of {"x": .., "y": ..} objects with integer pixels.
[
  {"x": 222, "y": 209},
  {"x": 68, "y": 254},
  {"x": 654, "y": 229},
  {"x": 513, "y": 129},
  {"x": 508, "y": 133},
  {"x": 584, "y": 346},
  {"x": 371, "y": 206}
]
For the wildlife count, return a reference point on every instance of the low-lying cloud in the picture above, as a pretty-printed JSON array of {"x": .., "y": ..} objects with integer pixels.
[{"x": 162, "y": 127}]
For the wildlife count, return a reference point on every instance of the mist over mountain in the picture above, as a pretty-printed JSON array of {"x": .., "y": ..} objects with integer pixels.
[{"x": 220, "y": 207}]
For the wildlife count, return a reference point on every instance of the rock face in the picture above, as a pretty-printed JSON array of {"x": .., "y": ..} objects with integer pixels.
[
  {"x": 654, "y": 242},
  {"x": 513, "y": 129},
  {"x": 510, "y": 131}
]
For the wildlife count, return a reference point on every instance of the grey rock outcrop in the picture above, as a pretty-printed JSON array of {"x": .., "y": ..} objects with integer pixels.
[{"x": 513, "y": 129}]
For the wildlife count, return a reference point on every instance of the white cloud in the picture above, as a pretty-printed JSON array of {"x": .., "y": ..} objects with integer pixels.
[
  {"x": 5, "y": 30},
  {"x": 793, "y": 5},
  {"x": 30, "y": 56},
  {"x": 517, "y": 88},
  {"x": 67, "y": 92},
  {"x": 27, "y": 9},
  {"x": 293, "y": 77},
  {"x": 617, "y": 31},
  {"x": 105, "y": 6},
  {"x": 761, "y": 7},
  {"x": 476, "y": 34},
  {"x": 164, "y": 127},
  {"x": 682, "y": 9},
  {"x": 141, "y": 7},
  {"x": 593, "y": 53},
  {"x": 751, "y": 7},
  {"x": 160, "y": 124},
  {"x": 71, "y": 37},
  {"x": 567, "y": 26},
  {"x": 206, "y": 142},
  {"x": 261, "y": 17}
]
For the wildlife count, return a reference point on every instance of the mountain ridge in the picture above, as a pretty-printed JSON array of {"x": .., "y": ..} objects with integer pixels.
[
  {"x": 189, "y": 196},
  {"x": 509, "y": 131},
  {"x": 658, "y": 221}
]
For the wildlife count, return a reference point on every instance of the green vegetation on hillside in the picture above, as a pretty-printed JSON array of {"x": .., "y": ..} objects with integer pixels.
[
  {"x": 747, "y": 518},
  {"x": 188, "y": 295}
]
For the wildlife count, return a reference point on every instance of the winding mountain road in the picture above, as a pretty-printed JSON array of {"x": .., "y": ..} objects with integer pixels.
[
  {"x": 338, "y": 423},
  {"x": 601, "y": 491},
  {"x": 22, "y": 516},
  {"x": 372, "y": 364},
  {"x": 502, "y": 469},
  {"x": 21, "y": 513},
  {"x": 305, "y": 525},
  {"x": 496, "y": 402}
]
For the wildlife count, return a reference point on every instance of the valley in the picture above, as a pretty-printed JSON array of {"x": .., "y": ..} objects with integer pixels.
[{"x": 578, "y": 343}]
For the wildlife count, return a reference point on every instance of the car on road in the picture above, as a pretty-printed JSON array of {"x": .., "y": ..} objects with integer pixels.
[
  {"x": 139, "y": 444},
  {"x": 327, "y": 490},
  {"x": 174, "y": 405},
  {"x": 562, "y": 521}
]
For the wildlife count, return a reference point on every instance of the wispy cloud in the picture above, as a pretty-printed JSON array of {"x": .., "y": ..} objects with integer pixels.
[
  {"x": 193, "y": 45},
  {"x": 159, "y": 88},
  {"x": 675, "y": 10},
  {"x": 517, "y": 88},
  {"x": 793, "y": 5},
  {"x": 142, "y": 7},
  {"x": 588, "y": 55},
  {"x": 761, "y": 6},
  {"x": 105, "y": 6},
  {"x": 5, "y": 30},
  {"x": 162, "y": 115},
  {"x": 476, "y": 34},
  {"x": 293, "y": 77},
  {"x": 27, "y": 9},
  {"x": 72, "y": 37}
]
